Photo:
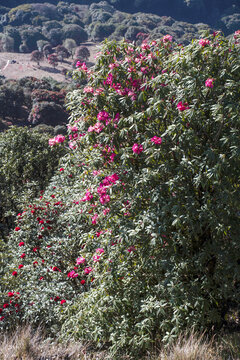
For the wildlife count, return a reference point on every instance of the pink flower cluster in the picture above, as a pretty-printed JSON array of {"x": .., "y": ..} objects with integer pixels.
[
  {"x": 182, "y": 106},
  {"x": 156, "y": 140},
  {"x": 167, "y": 38},
  {"x": 137, "y": 148},
  {"x": 204, "y": 42},
  {"x": 56, "y": 140},
  {"x": 209, "y": 83}
]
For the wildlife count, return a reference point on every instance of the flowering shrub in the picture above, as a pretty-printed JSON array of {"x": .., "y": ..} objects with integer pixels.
[{"x": 138, "y": 230}]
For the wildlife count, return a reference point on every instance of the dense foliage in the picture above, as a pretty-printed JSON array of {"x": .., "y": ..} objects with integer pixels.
[
  {"x": 137, "y": 236},
  {"x": 26, "y": 167},
  {"x": 31, "y": 101}
]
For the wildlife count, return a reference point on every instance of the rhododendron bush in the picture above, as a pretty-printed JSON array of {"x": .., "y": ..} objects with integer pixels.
[{"x": 137, "y": 236}]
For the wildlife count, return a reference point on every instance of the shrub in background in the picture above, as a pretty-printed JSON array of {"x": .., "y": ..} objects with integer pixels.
[{"x": 26, "y": 166}]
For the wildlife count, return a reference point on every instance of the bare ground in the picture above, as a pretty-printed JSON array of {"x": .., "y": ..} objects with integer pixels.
[{"x": 24, "y": 67}]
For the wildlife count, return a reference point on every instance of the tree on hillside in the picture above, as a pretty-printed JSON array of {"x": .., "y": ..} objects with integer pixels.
[
  {"x": 37, "y": 56},
  {"x": 82, "y": 53},
  {"x": 70, "y": 44},
  {"x": 53, "y": 60},
  {"x": 47, "y": 50},
  {"x": 62, "y": 52}
]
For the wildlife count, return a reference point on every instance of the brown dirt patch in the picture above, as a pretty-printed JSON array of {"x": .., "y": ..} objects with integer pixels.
[{"x": 24, "y": 67}]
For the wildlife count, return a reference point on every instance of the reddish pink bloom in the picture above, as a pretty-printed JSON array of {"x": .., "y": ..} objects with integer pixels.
[
  {"x": 99, "y": 251},
  {"x": 106, "y": 211},
  {"x": 59, "y": 139},
  {"x": 56, "y": 298},
  {"x": 156, "y": 140},
  {"x": 11, "y": 294},
  {"x": 96, "y": 258},
  {"x": 62, "y": 301},
  {"x": 82, "y": 282},
  {"x": 209, "y": 83},
  {"x": 23, "y": 256},
  {"x": 94, "y": 219},
  {"x": 14, "y": 273},
  {"x": 88, "y": 196},
  {"x": 17, "y": 228},
  {"x": 21, "y": 243},
  {"x": 61, "y": 169},
  {"x": 167, "y": 38},
  {"x": 204, "y": 42},
  {"x": 80, "y": 260},
  {"x": 55, "y": 268},
  {"x": 182, "y": 107},
  {"x": 237, "y": 34},
  {"x": 87, "y": 270},
  {"x": 131, "y": 248},
  {"x": 20, "y": 266},
  {"x": 52, "y": 142},
  {"x": 5, "y": 306},
  {"x": 104, "y": 199},
  {"x": 72, "y": 274},
  {"x": 137, "y": 148}
]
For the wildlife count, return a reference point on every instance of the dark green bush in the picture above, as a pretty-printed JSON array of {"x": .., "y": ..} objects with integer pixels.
[{"x": 26, "y": 166}]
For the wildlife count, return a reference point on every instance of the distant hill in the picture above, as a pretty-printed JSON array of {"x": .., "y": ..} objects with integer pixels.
[
  {"x": 208, "y": 11},
  {"x": 30, "y": 26}
]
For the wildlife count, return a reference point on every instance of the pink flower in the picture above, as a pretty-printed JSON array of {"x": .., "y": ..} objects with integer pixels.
[
  {"x": 94, "y": 219},
  {"x": 98, "y": 127},
  {"x": 59, "y": 139},
  {"x": 99, "y": 251},
  {"x": 106, "y": 211},
  {"x": 156, "y": 140},
  {"x": 61, "y": 169},
  {"x": 72, "y": 274},
  {"x": 62, "y": 301},
  {"x": 167, "y": 38},
  {"x": 11, "y": 294},
  {"x": 137, "y": 148},
  {"x": 204, "y": 42},
  {"x": 21, "y": 243},
  {"x": 14, "y": 273},
  {"x": 87, "y": 270},
  {"x": 20, "y": 266},
  {"x": 88, "y": 196},
  {"x": 17, "y": 228},
  {"x": 80, "y": 260},
  {"x": 52, "y": 142},
  {"x": 104, "y": 199},
  {"x": 209, "y": 83},
  {"x": 131, "y": 248},
  {"x": 237, "y": 34},
  {"x": 96, "y": 258},
  {"x": 82, "y": 282},
  {"x": 182, "y": 107}
]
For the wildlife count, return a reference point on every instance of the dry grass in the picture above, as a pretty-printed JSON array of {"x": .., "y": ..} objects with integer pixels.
[
  {"x": 26, "y": 344},
  {"x": 191, "y": 347}
]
